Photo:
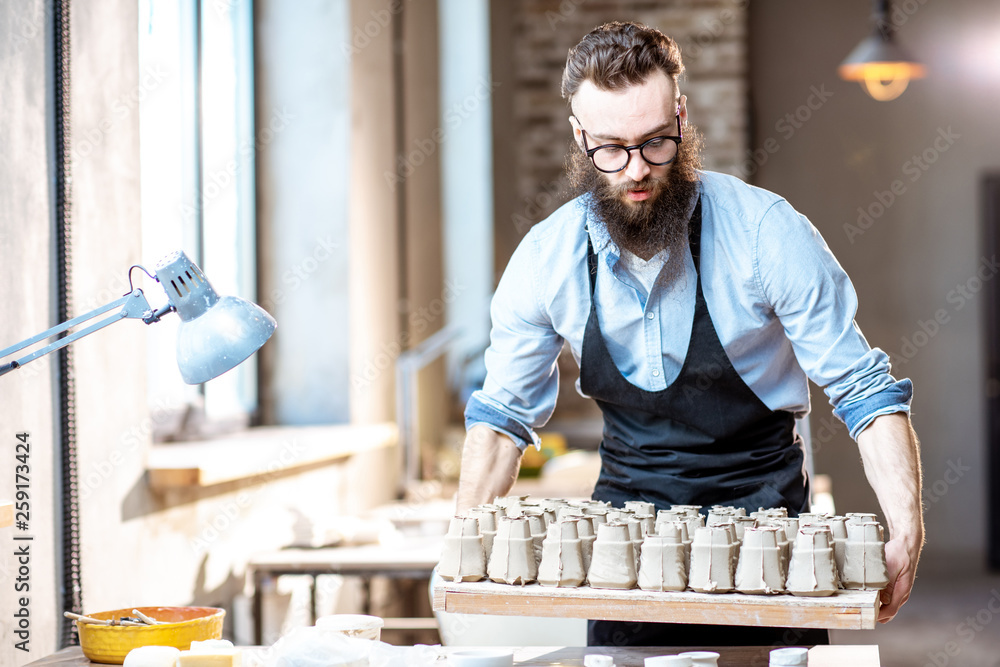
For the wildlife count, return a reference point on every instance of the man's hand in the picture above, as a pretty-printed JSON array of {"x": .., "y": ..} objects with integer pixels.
[
  {"x": 902, "y": 571},
  {"x": 891, "y": 456},
  {"x": 490, "y": 462}
]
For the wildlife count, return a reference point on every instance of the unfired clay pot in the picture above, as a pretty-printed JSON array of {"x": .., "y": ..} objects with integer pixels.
[
  {"x": 758, "y": 571},
  {"x": 812, "y": 517},
  {"x": 720, "y": 514},
  {"x": 742, "y": 523},
  {"x": 536, "y": 524},
  {"x": 586, "y": 529},
  {"x": 613, "y": 562},
  {"x": 712, "y": 560},
  {"x": 838, "y": 526},
  {"x": 861, "y": 517},
  {"x": 562, "y": 556},
  {"x": 864, "y": 564},
  {"x": 463, "y": 557},
  {"x": 487, "y": 517},
  {"x": 597, "y": 515},
  {"x": 639, "y": 526},
  {"x": 567, "y": 512},
  {"x": 769, "y": 513},
  {"x": 812, "y": 570},
  {"x": 680, "y": 529},
  {"x": 640, "y": 507},
  {"x": 513, "y": 557},
  {"x": 694, "y": 518},
  {"x": 663, "y": 564}
]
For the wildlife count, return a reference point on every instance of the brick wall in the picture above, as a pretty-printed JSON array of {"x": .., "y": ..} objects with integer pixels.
[
  {"x": 532, "y": 134},
  {"x": 713, "y": 39}
]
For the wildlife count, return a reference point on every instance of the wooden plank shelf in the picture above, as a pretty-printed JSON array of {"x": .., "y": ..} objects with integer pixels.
[
  {"x": 260, "y": 453},
  {"x": 847, "y": 610}
]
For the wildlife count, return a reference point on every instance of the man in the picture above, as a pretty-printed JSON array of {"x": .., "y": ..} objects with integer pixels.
[{"x": 697, "y": 307}]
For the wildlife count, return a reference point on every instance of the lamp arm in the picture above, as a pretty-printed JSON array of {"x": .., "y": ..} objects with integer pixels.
[{"x": 133, "y": 306}]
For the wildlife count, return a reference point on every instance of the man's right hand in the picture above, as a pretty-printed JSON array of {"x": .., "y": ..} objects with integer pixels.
[{"x": 490, "y": 463}]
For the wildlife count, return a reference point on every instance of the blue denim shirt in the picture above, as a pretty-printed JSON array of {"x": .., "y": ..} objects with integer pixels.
[{"x": 781, "y": 303}]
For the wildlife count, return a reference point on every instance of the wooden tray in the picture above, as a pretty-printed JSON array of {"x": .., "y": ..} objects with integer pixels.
[{"x": 847, "y": 610}]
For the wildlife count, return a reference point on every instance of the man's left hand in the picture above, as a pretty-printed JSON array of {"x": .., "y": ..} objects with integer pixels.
[{"x": 902, "y": 571}]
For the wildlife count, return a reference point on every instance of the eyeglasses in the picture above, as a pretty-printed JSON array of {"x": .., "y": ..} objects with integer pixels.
[{"x": 612, "y": 158}]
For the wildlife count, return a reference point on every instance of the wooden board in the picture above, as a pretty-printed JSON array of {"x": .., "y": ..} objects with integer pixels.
[
  {"x": 6, "y": 513},
  {"x": 847, "y": 610},
  {"x": 260, "y": 452}
]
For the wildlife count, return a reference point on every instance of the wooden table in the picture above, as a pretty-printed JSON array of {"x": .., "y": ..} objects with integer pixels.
[
  {"x": 742, "y": 656},
  {"x": 847, "y": 610},
  {"x": 413, "y": 558}
]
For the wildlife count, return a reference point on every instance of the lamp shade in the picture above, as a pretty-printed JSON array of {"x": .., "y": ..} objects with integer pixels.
[
  {"x": 216, "y": 333},
  {"x": 880, "y": 52},
  {"x": 881, "y": 65}
]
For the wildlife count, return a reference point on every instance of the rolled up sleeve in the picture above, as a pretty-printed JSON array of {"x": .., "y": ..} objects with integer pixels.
[
  {"x": 816, "y": 303},
  {"x": 522, "y": 378}
]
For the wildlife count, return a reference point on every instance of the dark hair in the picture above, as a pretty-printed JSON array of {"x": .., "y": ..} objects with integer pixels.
[{"x": 619, "y": 54}]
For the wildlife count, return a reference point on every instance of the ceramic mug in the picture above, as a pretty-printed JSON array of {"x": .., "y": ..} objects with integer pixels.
[{"x": 482, "y": 658}]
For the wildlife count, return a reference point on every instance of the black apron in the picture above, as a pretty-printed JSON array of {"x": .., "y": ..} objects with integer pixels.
[{"x": 707, "y": 439}]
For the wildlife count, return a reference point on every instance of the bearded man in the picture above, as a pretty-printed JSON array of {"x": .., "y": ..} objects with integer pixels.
[{"x": 697, "y": 308}]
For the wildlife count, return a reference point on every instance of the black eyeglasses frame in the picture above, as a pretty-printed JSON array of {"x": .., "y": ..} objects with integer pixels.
[{"x": 628, "y": 149}]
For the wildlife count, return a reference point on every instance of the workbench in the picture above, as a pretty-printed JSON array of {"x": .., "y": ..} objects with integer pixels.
[
  {"x": 412, "y": 558},
  {"x": 731, "y": 656}
]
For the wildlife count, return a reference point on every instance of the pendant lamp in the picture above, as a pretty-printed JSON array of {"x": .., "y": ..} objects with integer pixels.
[{"x": 882, "y": 67}]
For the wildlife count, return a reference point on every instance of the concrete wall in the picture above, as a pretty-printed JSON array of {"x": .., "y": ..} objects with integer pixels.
[
  {"x": 836, "y": 159},
  {"x": 303, "y": 186},
  {"x": 532, "y": 133},
  {"x": 26, "y": 396},
  {"x": 138, "y": 547}
]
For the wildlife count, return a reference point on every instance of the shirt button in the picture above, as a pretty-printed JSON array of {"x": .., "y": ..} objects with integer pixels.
[
  {"x": 650, "y": 316},
  {"x": 656, "y": 374}
]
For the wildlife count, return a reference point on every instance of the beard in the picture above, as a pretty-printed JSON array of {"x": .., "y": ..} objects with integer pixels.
[{"x": 644, "y": 227}]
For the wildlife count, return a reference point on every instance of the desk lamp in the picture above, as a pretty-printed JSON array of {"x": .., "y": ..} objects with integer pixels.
[{"x": 216, "y": 333}]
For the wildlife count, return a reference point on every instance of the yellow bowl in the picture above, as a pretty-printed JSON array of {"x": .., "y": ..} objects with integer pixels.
[{"x": 111, "y": 643}]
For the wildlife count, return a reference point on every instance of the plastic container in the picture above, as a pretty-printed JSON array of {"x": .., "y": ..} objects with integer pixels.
[{"x": 353, "y": 625}]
